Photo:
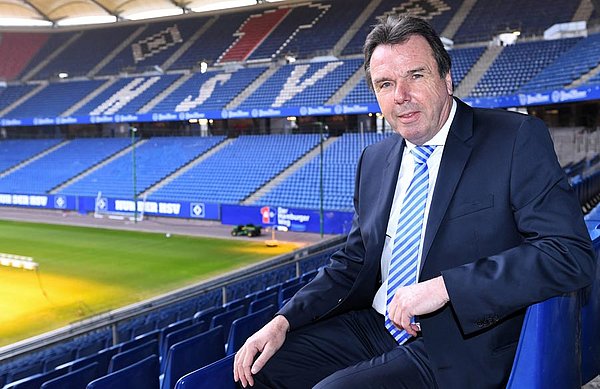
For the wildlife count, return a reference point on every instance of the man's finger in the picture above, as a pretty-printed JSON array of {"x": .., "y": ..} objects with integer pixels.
[{"x": 262, "y": 359}]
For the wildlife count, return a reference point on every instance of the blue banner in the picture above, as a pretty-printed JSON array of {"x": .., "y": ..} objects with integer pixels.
[{"x": 294, "y": 219}]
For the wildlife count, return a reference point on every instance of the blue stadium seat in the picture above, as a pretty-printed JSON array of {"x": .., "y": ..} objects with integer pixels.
[
  {"x": 226, "y": 318},
  {"x": 36, "y": 380},
  {"x": 216, "y": 375},
  {"x": 140, "y": 375},
  {"x": 76, "y": 379},
  {"x": 548, "y": 353},
  {"x": 129, "y": 357},
  {"x": 179, "y": 336},
  {"x": 590, "y": 316},
  {"x": 244, "y": 327},
  {"x": 192, "y": 354}
]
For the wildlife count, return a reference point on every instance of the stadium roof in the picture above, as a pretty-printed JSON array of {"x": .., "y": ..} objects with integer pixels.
[{"x": 75, "y": 12}]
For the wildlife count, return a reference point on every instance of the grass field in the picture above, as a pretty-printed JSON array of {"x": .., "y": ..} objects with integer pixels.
[{"x": 83, "y": 271}]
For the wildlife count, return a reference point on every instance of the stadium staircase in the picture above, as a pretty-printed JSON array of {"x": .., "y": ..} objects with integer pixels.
[
  {"x": 186, "y": 167},
  {"x": 355, "y": 27},
  {"x": 478, "y": 70},
  {"x": 188, "y": 43},
  {"x": 74, "y": 108},
  {"x": 348, "y": 86},
  {"x": 95, "y": 167},
  {"x": 33, "y": 159},
  {"x": 54, "y": 54},
  {"x": 239, "y": 99},
  {"x": 166, "y": 92},
  {"x": 108, "y": 58},
  {"x": 458, "y": 18},
  {"x": 314, "y": 153},
  {"x": 584, "y": 11}
]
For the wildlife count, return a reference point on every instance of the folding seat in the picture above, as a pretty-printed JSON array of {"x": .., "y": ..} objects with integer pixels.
[
  {"x": 55, "y": 360},
  {"x": 172, "y": 328},
  {"x": 245, "y": 326},
  {"x": 36, "y": 380},
  {"x": 143, "y": 374},
  {"x": 216, "y": 375},
  {"x": 140, "y": 339},
  {"x": 102, "y": 358},
  {"x": 226, "y": 318},
  {"x": 30, "y": 369},
  {"x": 180, "y": 335},
  {"x": 257, "y": 305},
  {"x": 129, "y": 357},
  {"x": 290, "y": 291},
  {"x": 76, "y": 379},
  {"x": 192, "y": 354}
]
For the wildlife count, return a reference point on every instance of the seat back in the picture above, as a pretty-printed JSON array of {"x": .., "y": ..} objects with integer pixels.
[
  {"x": 35, "y": 381},
  {"x": 129, "y": 357},
  {"x": 76, "y": 379},
  {"x": 590, "y": 317},
  {"x": 244, "y": 327},
  {"x": 216, "y": 375},
  {"x": 257, "y": 305},
  {"x": 192, "y": 354},
  {"x": 226, "y": 318},
  {"x": 143, "y": 374},
  {"x": 548, "y": 352},
  {"x": 180, "y": 335}
]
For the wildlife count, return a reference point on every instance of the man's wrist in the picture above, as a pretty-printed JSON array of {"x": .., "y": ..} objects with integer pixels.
[{"x": 282, "y": 323}]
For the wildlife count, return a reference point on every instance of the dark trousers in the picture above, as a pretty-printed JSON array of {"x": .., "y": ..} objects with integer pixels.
[{"x": 353, "y": 350}]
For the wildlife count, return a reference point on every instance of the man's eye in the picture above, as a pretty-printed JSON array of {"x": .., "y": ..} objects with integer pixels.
[
  {"x": 417, "y": 76},
  {"x": 384, "y": 85}
]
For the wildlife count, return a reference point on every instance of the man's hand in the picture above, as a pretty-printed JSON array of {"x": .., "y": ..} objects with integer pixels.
[
  {"x": 266, "y": 341},
  {"x": 417, "y": 299}
]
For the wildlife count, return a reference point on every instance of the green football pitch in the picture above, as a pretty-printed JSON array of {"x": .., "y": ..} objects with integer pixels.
[{"x": 84, "y": 271}]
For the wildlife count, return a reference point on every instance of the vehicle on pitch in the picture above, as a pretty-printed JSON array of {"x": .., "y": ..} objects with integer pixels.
[{"x": 246, "y": 230}]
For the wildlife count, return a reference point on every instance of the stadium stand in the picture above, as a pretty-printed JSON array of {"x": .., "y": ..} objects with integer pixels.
[
  {"x": 301, "y": 189},
  {"x": 155, "y": 159},
  {"x": 227, "y": 177},
  {"x": 17, "y": 49},
  {"x": 45, "y": 173},
  {"x": 155, "y": 67}
]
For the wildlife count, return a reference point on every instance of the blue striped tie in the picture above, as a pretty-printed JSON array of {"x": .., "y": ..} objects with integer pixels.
[{"x": 405, "y": 251}]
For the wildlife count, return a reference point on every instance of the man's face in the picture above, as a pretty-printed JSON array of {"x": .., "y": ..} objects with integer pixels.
[{"x": 412, "y": 96}]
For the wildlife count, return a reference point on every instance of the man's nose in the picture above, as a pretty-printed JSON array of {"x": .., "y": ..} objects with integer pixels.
[{"x": 401, "y": 93}]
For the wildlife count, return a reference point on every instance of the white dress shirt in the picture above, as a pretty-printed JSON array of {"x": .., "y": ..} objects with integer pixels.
[{"x": 404, "y": 178}]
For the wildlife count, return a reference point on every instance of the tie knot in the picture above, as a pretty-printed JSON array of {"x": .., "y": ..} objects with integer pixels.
[{"x": 422, "y": 153}]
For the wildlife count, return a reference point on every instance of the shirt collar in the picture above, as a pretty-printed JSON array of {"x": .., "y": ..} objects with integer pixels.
[{"x": 439, "y": 139}]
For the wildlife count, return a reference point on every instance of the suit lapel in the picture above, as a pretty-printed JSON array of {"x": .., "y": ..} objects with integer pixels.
[
  {"x": 456, "y": 154},
  {"x": 388, "y": 187}
]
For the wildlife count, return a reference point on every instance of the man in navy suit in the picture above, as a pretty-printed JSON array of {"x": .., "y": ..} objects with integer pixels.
[{"x": 502, "y": 230}]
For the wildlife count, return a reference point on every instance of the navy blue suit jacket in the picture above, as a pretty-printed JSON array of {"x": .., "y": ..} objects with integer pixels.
[{"x": 505, "y": 230}]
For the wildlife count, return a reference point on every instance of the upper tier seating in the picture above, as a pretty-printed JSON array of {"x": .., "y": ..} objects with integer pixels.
[
  {"x": 327, "y": 31},
  {"x": 302, "y": 84},
  {"x": 276, "y": 43},
  {"x": 238, "y": 170},
  {"x": 438, "y": 13},
  {"x": 488, "y": 18},
  {"x": 213, "y": 43},
  {"x": 55, "y": 42},
  {"x": 580, "y": 59},
  {"x": 253, "y": 32},
  {"x": 16, "y": 51},
  {"x": 210, "y": 90},
  {"x": 127, "y": 96},
  {"x": 157, "y": 42},
  {"x": 86, "y": 51},
  {"x": 301, "y": 189},
  {"x": 517, "y": 64},
  {"x": 47, "y": 172},
  {"x": 154, "y": 160}
]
